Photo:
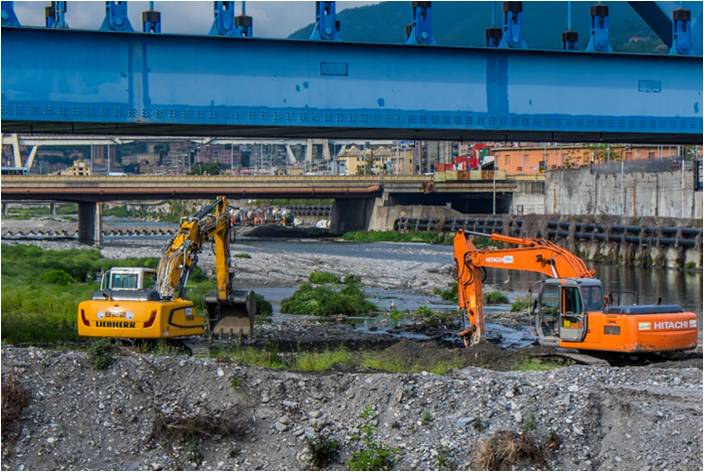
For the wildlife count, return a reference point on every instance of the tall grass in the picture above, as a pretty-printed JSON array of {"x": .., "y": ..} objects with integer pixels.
[
  {"x": 394, "y": 236},
  {"x": 41, "y": 290}
]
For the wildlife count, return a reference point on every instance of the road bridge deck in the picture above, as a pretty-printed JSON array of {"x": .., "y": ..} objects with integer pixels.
[{"x": 109, "y": 188}]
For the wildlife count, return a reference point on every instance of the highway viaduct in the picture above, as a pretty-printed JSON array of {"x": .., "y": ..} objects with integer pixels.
[{"x": 356, "y": 199}]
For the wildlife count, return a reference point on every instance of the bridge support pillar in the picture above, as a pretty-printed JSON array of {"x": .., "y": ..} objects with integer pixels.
[
  {"x": 52, "y": 209},
  {"x": 351, "y": 214},
  {"x": 89, "y": 223},
  {"x": 5, "y": 208}
]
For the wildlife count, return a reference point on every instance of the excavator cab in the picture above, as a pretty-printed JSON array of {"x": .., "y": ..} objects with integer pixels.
[{"x": 561, "y": 309}]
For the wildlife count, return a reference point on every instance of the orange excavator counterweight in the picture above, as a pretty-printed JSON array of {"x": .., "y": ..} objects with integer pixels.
[{"x": 570, "y": 310}]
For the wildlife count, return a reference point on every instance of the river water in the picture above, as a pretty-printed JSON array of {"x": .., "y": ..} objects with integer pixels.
[{"x": 681, "y": 287}]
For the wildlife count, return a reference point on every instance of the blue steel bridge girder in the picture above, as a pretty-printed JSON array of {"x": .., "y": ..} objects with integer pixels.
[{"x": 127, "y": 83}]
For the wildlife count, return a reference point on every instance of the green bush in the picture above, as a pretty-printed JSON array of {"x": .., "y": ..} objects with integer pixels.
[
  {"x": 264, "y": 308},
  {"x": 373, "y": 455},
  {"x": 326, "y": 301},
  {"x": 435, "y": 319},
  {"x": 242, "y": 255},
  {"x": 323, "y": 278},
  {"x": 521, "y": 304},
  {"x": 495, "y": 298},
  {"x": 56, "y": 276},
  {"x": 449, "y": 294}
]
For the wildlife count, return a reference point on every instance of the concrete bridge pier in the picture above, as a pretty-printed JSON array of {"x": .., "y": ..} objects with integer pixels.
[
  {"x": 5, "y": 207},
  {"x": 90, "y": 223},
  {"x": 351, "y": 214},
  {"x": 52, "y": 208}
]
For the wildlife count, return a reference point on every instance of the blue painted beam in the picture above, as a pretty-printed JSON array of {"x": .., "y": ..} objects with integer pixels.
[{"x": 125, "y": 83}]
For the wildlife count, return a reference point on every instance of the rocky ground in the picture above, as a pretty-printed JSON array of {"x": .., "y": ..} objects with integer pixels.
[{"x": 151, "y": 412}]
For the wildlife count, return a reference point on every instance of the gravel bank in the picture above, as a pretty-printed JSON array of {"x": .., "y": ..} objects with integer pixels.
[
  {"x": 80, "y": 418},
  {"x": 276, "y": 269}
]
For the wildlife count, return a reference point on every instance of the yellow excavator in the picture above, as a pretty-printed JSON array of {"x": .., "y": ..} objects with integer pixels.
[{"x": 143, "y": 303}]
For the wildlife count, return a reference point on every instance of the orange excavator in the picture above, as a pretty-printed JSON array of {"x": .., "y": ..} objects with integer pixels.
[{"x": 570, "y": 310}]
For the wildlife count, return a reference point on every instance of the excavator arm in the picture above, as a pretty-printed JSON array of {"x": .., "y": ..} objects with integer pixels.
[
  {"x": 532, "y": 255},
  {"x": 210, "y": 223},
  {"x": 230, "y": 311}
]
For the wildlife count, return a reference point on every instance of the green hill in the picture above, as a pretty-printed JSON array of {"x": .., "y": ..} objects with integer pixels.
[{"x": 463, "y": 24}]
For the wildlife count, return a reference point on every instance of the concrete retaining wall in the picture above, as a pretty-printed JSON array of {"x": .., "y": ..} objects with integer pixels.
[{"x": 607, "y": 191}]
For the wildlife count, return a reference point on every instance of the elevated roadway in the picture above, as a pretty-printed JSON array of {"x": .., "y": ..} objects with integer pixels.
[
  {"x": 357, "y": 199},
  {"x": 106, "y": 188}
]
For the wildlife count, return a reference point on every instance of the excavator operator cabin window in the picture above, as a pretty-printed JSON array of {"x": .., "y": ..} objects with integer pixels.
[
  {"x": 124, "y": 281},
  {"x": 573, "y": 301},
  {"x": 593, "y": 297}
]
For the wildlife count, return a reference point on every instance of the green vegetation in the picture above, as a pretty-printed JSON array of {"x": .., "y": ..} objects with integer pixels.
[
  {"x": 41, "y": 290},
  {"x": 387, "y": 362},
  {"x": 27, "y": 212},
  {"x": 444, "y": 460},
  {"x": 394, "y": 236},
  {"x": 449, "y": 294},
  {"x": 495, "y": 298},
  {"x": 101, "y": 353},
  {"x": 534, "y": 364},
  {"x": 339, "y": 358},
  {"x": 426, "y": 417},
  {"x": 691, "y": 265},
  {"x": 521, "y": 304},
  {"x": 395, "y": 314},
  {"x": 529, "y": 423},
  {"x": 206, "y": 168},
  {"x": 435, "y": 319},
  {"x": 373, "y": 454},
  {"x": 323, "y": 278},
  {"x": 264, "y": 307},
  {"x": 242, "y": 255},
  {"x": 325, "y": 300},
  {"x": 325, "y": 360},
  {"x": 253, "y": 357},
  {"x": 324, "y": 451}
]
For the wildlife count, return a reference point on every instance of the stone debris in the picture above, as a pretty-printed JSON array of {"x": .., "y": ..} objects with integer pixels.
[{"x": 79, "y": 418}]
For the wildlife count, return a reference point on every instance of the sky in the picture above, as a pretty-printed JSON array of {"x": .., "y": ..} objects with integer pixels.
[{"x": 271, "y": 19}]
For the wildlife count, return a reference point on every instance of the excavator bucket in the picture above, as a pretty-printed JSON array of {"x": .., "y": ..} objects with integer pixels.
[{"x": 233, "y": 317}]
